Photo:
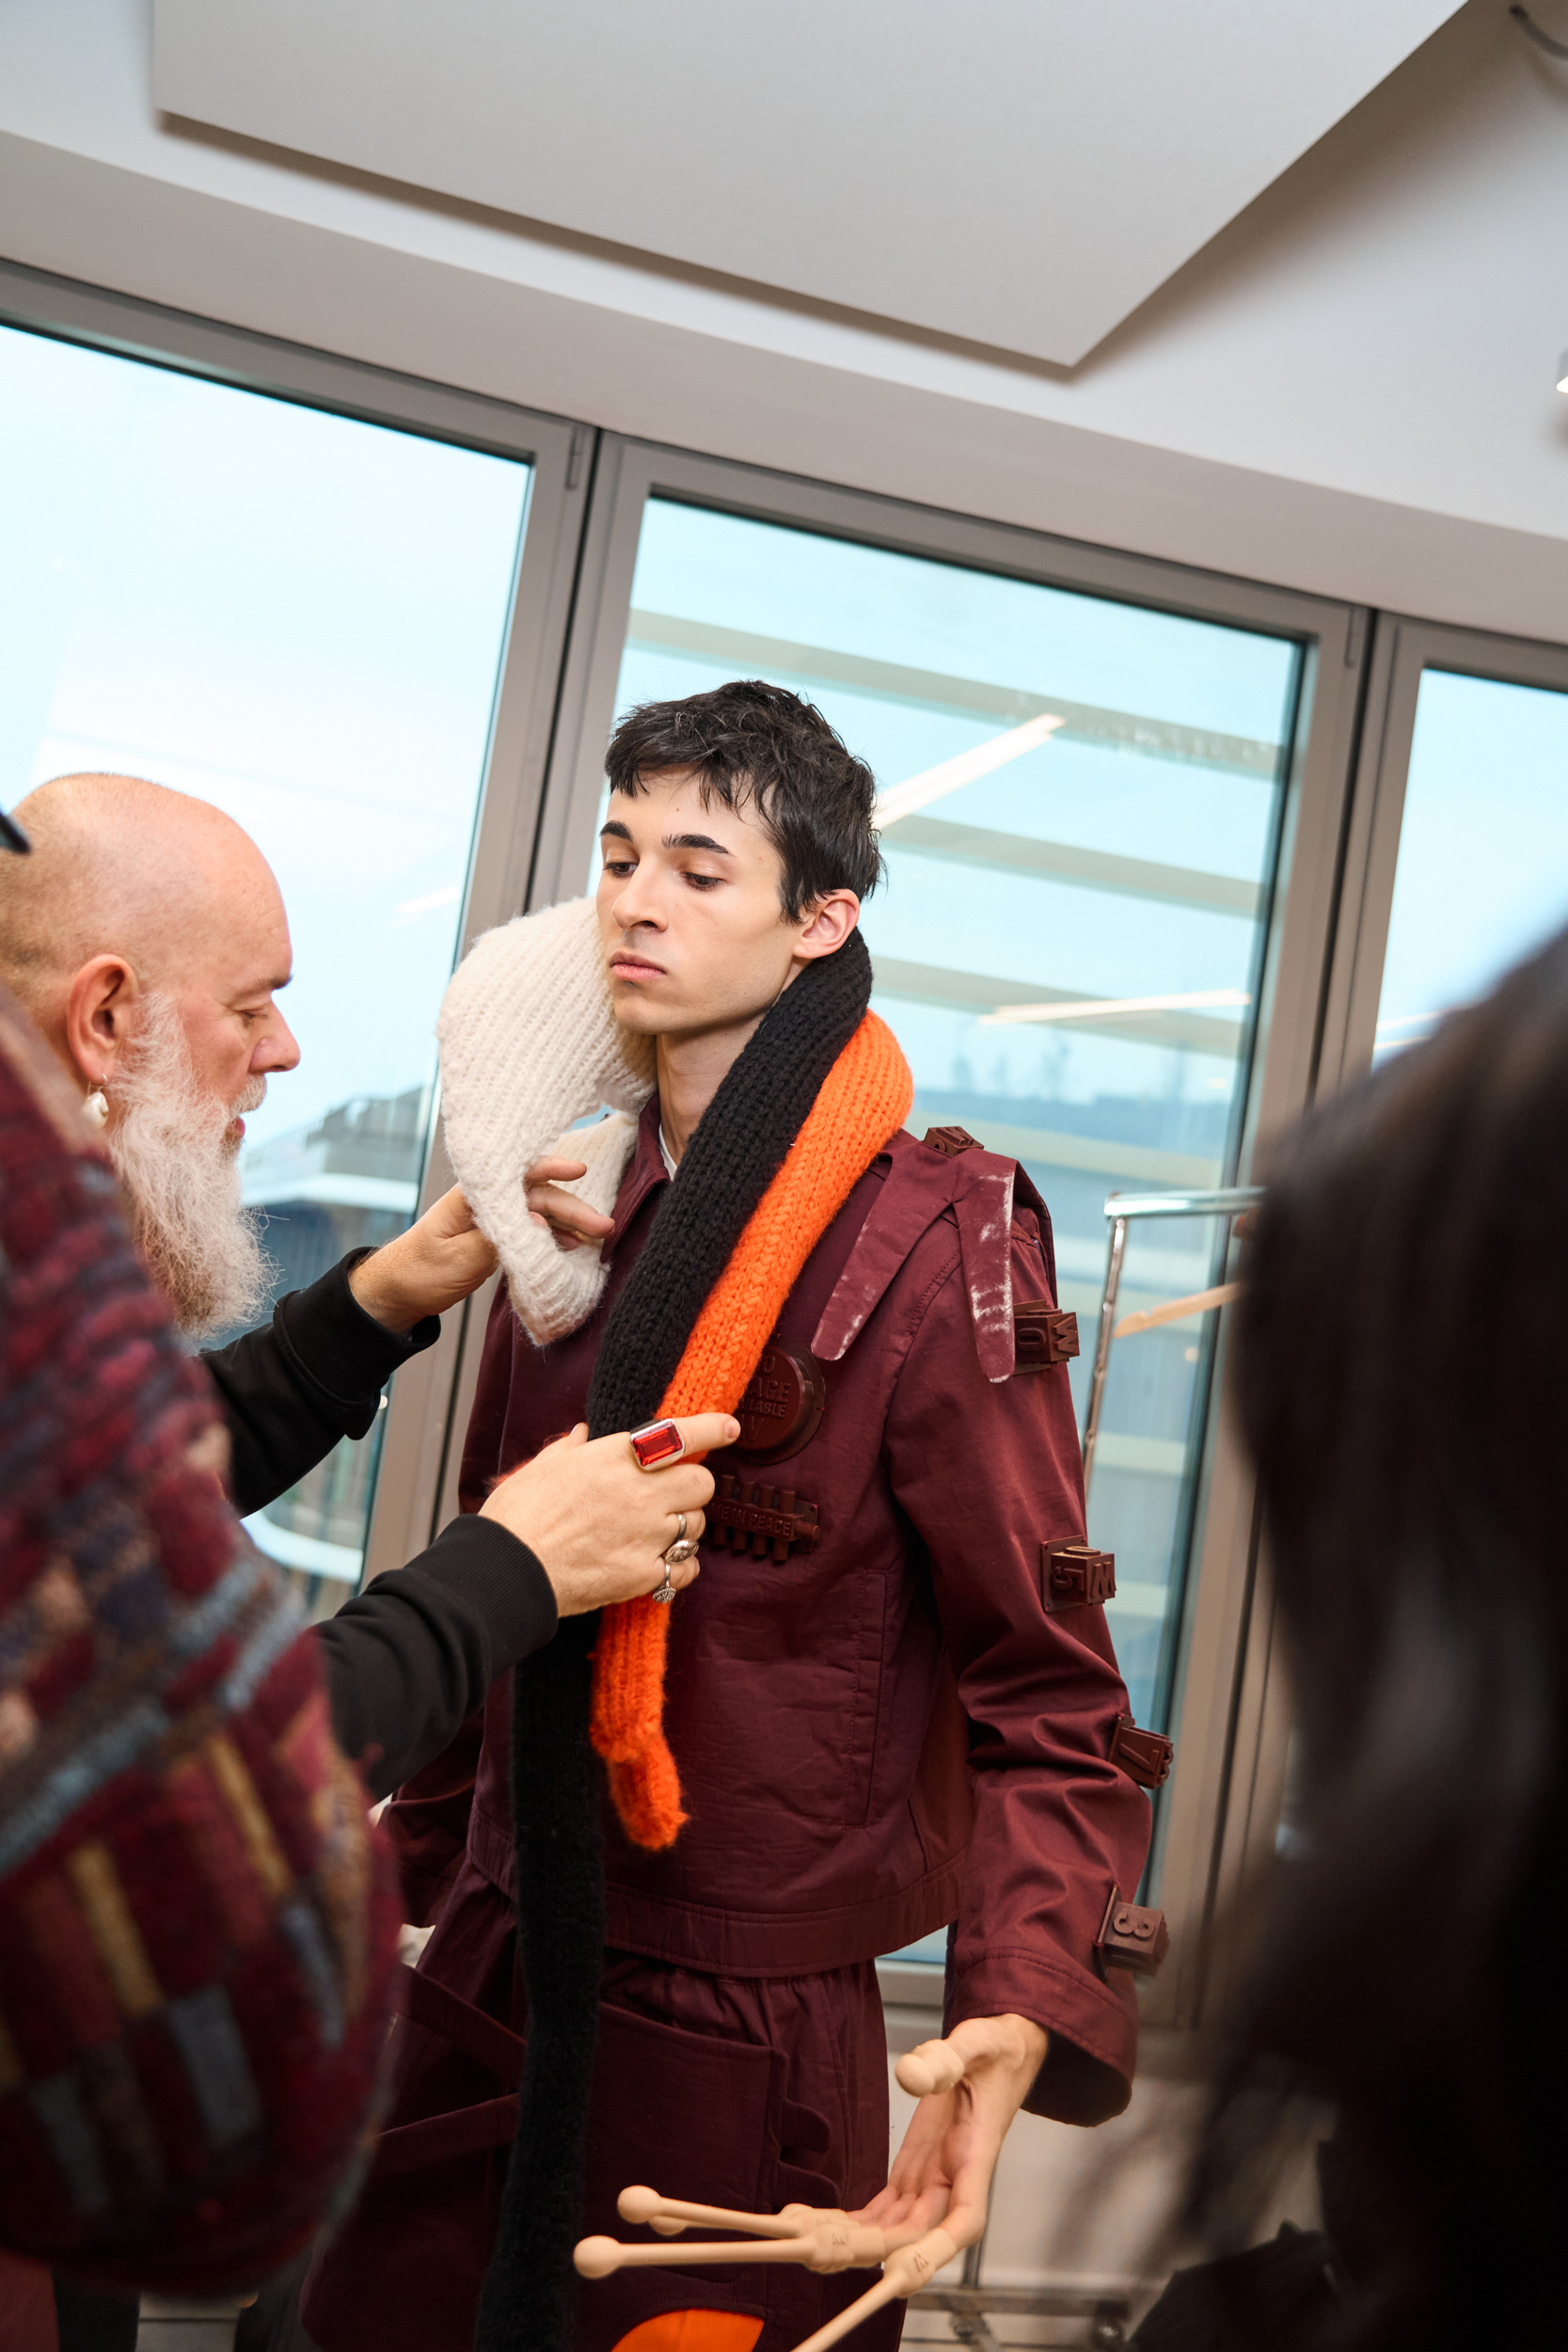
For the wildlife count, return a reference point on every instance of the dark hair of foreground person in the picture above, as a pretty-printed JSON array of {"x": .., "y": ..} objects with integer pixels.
[{"x": 1401, "y": 1366}]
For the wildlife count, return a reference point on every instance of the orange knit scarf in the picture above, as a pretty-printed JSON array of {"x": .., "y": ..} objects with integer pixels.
[{"x": 865, "y": 1099}]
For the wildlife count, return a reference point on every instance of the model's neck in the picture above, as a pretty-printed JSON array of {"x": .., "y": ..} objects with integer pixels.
[{"x": 691, "y": 1069}]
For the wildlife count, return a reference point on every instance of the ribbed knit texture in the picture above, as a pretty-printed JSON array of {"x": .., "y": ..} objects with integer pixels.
[
  {"x": 529, "y": 1042},
  {"x": 558, "y": 1790},
  {"x": 701, "y": 1236},
  {"x": 864, "y": 1098}
]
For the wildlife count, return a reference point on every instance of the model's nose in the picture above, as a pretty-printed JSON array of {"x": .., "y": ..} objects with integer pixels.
[{"x": 636, "y": 910}]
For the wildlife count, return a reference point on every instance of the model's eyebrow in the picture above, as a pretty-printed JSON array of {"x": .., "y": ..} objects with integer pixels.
[
  {"x": 696, "y": 841},
  {"x": 261, "y": 988},
  {"x": 614, "y": 826}
]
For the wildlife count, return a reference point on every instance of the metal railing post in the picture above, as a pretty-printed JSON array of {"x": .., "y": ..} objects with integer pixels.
[
  {"x": 1102, "y": 1341},
  {"x": 1227, "y": 1200}
]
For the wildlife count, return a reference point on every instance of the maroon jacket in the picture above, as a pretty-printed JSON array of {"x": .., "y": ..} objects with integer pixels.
[{"x": 885, "y": 1731}]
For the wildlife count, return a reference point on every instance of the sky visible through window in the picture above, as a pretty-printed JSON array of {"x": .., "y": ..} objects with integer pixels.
[
  {"x": 295, "y": 616},
  {"x": 1482, "y": 875},
  {"x": 299, "y": 617}
]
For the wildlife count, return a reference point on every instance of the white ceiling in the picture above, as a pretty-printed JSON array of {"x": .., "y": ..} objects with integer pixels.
[{"x": 1019, "y": 173}]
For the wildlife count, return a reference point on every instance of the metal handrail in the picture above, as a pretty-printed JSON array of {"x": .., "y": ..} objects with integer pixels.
[{"x": 1226, "y": 1201}]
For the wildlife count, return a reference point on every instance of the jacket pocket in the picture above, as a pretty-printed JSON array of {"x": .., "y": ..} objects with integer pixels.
[{"x": 697, "y": 2117}]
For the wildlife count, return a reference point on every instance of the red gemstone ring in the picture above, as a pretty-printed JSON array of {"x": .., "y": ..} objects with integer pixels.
[{"x": 658, "y": 1444}]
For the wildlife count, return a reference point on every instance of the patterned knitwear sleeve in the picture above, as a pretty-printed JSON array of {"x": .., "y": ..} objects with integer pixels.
[{"x": 197, "y": 1920}]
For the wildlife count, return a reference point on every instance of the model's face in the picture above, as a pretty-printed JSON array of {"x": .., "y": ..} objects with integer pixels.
[{"x": 694, "y": 935}]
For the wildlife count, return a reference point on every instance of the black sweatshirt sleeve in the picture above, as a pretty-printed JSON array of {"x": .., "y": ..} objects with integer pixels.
[
  {"x": 313, "y": 1375},
  {"x": 410, "y": 1659}
]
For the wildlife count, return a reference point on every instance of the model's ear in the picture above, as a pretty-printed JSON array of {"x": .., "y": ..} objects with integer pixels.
[
  {"x": 824, "y": 930},
  {"x": 102, "y": 1009}
]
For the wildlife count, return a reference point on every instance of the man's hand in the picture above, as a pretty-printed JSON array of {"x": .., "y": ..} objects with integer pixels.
[
  {"x": 942, "y": 2171},
  {"x": 426, "y": 1270},
  {"x": 597, "y": 1522},
  {"x": 571, "y": 1221}
]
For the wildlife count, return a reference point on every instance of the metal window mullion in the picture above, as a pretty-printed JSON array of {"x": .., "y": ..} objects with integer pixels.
[
  {"x": 1405, "y": 649},
  {"x": 417, "y": 1488}
]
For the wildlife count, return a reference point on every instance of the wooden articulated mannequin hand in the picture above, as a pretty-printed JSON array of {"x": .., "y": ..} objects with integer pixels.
[{"x": 970, "y": 2087}]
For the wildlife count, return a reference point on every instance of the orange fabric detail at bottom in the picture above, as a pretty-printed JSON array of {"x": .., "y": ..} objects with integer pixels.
[
  {"x": 863, "y": 1100},
  {"x": 692, "y": 2332}
]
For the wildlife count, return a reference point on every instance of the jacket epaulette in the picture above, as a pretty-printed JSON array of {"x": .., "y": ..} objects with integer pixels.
[{"x": 949, "y": 1173}]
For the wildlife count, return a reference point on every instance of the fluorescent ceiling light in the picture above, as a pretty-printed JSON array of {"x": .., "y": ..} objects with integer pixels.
[
  {"x": 1109, "y": 1008},
  {"x": 902, "y": 799}
]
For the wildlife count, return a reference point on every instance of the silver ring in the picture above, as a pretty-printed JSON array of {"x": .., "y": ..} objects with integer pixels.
[
  {"x": 665, "y": 1591},
  {"x": 675, "y": 1555}
]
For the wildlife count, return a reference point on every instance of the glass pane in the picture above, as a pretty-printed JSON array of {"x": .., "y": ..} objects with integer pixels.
[
  {"x": 1072, "y": 920},
  {"x": 1483, "y": 874},
  {"x": 299, "y": 617}
]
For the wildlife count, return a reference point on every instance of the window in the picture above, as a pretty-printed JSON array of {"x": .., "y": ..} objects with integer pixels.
[
  {"x": 302, "y": 588},
  {"x": 299, "y": 616},
  {"x": 1080, "y": 814},
  {"x": 1483, "y": 872}
]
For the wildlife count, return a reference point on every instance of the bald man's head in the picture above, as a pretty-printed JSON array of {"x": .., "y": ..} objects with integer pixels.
[
  {"x": 134, "y": 890},
  {"x": 124, "y": 866},
  {"x": 146, "y": 936}
]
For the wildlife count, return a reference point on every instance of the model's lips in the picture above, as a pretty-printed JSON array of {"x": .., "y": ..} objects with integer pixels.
[
  {"x": 236, "y": 1129},
  {"x": 636, "y": 968}
]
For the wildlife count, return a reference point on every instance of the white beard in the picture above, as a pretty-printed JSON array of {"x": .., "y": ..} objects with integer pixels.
[{"x": 170, "y": 1145}]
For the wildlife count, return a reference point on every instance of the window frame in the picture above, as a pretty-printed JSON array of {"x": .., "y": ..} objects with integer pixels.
[
  {"x": 427, "y": 1393},
  {"x": 1402, "y": 650},
  {"x": 539, "y": 795}
]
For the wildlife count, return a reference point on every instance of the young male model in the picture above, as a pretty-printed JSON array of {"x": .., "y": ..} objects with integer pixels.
[{"x": 887, "y": 1704}]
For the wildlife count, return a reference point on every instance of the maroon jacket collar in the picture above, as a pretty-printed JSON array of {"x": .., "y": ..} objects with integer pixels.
[{"x": 645, "y": 1170}]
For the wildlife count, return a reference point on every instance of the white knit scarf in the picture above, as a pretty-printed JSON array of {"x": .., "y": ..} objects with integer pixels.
[{"x": 530, "y": 1042}]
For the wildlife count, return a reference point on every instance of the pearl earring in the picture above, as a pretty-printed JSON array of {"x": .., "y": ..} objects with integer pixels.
[{"x": 96, "y": 1107}]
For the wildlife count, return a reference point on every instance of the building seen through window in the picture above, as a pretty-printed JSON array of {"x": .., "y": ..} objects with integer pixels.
[{"x": 347, "y": 1181}]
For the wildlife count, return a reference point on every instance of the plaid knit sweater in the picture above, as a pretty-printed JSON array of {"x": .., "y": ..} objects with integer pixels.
[{"x": 197, "y": 1921}]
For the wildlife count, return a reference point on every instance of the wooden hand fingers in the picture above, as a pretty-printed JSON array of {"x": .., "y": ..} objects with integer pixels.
[
  {"x": 930, "y": 2067},
  {"x": 667, "y": 2214},
  {"x": 838, "y": 2244}
]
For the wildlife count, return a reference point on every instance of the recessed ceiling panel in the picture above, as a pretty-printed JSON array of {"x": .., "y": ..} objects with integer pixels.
[{"x": 1021, "y": 173}]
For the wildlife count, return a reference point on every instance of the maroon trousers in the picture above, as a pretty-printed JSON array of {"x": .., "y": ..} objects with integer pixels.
[{"x": 740, "y": 2091}]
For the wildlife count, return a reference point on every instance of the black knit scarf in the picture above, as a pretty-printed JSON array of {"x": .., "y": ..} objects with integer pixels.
[{"x": 557, "y": 1780}]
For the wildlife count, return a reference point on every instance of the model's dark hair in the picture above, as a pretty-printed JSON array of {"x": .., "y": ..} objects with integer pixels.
[
  {"x": 1400, "y": 1360},
  {"x": 750, "y": 742}
]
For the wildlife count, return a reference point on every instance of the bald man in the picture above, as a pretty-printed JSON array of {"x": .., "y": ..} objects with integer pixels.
[{"x": 146, "y": 937}]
